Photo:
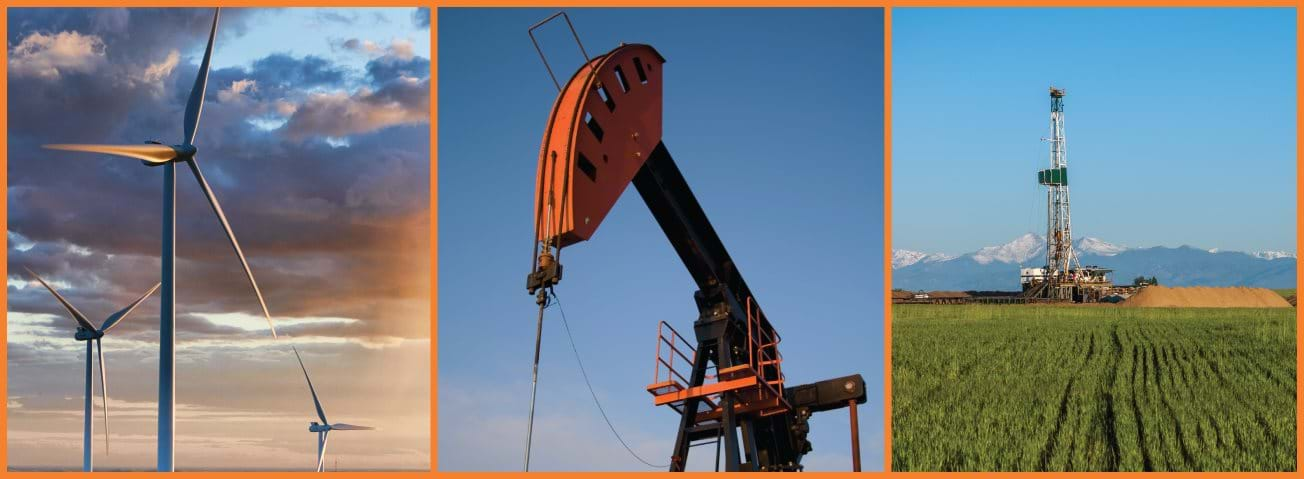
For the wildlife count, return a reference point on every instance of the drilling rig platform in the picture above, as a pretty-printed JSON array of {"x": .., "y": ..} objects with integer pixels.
[{"x": 1063, "y": 278}]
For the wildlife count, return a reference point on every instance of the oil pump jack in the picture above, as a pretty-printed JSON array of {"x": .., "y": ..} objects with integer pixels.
[{"x": 603, "y": 133}]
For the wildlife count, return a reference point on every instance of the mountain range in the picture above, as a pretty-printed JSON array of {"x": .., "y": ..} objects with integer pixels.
[{"x": 996, "y": 268}]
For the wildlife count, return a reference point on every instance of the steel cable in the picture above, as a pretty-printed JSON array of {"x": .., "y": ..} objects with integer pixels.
[{"x": 597, "y": 403}]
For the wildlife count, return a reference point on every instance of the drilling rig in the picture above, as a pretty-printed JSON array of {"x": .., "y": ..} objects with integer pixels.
[
  {"x": 603, "y": 133},
  {"x": 1063, "y": 278}
]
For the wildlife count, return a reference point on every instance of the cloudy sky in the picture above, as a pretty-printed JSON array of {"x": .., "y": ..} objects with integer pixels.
[{"x": 315, "y": 138}]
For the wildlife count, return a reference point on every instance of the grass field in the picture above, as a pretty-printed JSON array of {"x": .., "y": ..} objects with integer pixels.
[{"x": 1044, "y": 388}]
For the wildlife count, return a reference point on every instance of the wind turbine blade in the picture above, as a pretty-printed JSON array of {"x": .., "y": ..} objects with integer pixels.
[
  {"x": 150, "y": 153},
  {"x": 104, "y": 391},
  {"x": 122, "y": 314},
  {"x": 350, "y": 427},
  {"x": 321, "y": 455},
  {"x": 77, "y": 315},
  {"x": 230, "y": 235},
  {"x": 320, "y": 413},
  {"x": 196, "y": 104}
]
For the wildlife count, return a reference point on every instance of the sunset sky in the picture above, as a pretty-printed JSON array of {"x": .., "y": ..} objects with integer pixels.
[{"x": 315, "y": 138}]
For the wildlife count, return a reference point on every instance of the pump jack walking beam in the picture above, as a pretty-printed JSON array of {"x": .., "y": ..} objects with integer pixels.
[
  {"x": 721, "y": 326},
  {"x": 604, "y": 133},
  {"x": 672, "y": 203}
]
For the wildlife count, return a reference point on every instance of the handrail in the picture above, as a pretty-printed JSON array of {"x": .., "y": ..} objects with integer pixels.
[
  {"x": 763, "y": 357},
  {"x": 763, "y": 349},
  {"x": 674, "y": 351}
]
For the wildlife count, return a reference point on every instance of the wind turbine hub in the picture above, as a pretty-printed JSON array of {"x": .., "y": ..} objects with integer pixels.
[{"x": 184, "y": 152}]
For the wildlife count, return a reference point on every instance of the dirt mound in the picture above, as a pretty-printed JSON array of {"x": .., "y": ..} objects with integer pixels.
[
  {"x": 947, "y": 294},
  {"x": 1205, "y": 297}
]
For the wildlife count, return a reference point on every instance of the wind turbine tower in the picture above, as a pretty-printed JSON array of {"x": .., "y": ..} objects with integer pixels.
[
  {"x": 92, "y": 335},
  {"x": 155, "y": 154},
  {"x": 323, "y": 429}
]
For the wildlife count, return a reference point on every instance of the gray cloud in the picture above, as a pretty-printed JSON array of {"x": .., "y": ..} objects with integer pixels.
[
  {"x": 404, "y": 101},
  {"x": 134, "y": 34},
  {"x": 421, "y": 17},
  {"x": 303, "y": 73},
  {"x": 346, "y": 17},
  {"x": 49, "y": 56},
  {"x": 389, "y": 68}
]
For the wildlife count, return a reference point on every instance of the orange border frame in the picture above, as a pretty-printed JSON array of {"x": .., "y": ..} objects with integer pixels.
[
  {"x": 887, "y": 239},
  {"x": 434, "y": 6}
]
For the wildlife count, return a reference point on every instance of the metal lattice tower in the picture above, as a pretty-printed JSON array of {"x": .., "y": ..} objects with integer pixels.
[{"x": 1060, "y": 258}]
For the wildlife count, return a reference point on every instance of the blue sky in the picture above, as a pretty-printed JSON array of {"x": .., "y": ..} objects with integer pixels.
[
  {"x": 301, "y": 31},
  {"x": 1180, "y": 124},
  {"x": 774, "y": 116}
]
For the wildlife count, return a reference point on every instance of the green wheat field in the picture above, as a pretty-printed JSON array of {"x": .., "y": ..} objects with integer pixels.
[{"x": 1047, "y": 388}]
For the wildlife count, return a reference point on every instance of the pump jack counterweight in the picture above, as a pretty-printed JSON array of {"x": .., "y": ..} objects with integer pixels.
[{"x": 604, "y": 133}]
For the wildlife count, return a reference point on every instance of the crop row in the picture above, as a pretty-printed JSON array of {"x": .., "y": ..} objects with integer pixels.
[{"x": 1028, "y": 388}]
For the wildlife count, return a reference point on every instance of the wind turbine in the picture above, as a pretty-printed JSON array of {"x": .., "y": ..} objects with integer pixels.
[
  {"x": 155, "y": 154},
  {"x": 86, "y": 331},
  {"x": 324, "y": 428}
]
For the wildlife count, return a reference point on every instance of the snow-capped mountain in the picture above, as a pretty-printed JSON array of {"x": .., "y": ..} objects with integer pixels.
[
  {"x": 902, "y": 258},
  {"x": 1088, "y": 245},
  {"x": 1021, "y": 249},
  {"x": 996, "y": 267},
  {"x": 1024, "y": 250},
  {"x": 1270, "y": 255}
]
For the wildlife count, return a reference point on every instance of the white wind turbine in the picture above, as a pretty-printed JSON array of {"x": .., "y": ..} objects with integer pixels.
[
  {"x": 324, "y": 428},
  {"x": 86, "y": 331},
  {"x": 155, "y": 154}
]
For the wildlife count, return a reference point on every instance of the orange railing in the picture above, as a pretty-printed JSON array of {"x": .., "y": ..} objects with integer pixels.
[
  {"x": 763, "y": 351},
  {"x": 761, "y": 376},
  {"x": 672, "y": 344}
]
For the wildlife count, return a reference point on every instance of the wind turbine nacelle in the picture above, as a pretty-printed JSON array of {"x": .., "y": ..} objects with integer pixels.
[
  {"x": 316, "y": 427},
  {"x": 84, "y": 334}
]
